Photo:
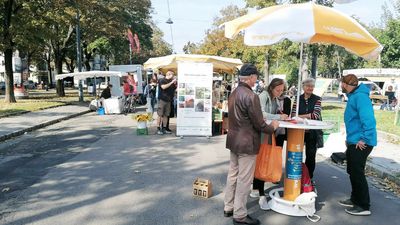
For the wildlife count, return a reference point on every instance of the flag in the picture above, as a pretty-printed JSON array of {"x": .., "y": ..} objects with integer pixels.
[
  {"x": 136, "y": 38},
  {"x": 131, "y": 40}
]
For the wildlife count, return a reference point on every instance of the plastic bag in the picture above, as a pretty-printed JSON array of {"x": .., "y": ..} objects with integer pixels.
[{"x": 269, "y": 161}]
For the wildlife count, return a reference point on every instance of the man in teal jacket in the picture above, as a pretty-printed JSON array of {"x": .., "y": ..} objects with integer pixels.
[{"x": 360, "y": 139}]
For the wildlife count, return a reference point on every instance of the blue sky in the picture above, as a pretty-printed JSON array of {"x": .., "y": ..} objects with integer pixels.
[{"x": 193, "y": 17}]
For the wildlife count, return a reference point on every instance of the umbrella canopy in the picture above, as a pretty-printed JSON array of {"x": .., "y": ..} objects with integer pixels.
[
  {"x": 170, "y": 62},
  {"x": 306, "y": 23},
  {"x": 89, "y": 74}
]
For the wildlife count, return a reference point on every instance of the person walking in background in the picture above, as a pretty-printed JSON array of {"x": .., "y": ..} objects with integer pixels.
[
  {"x": 151, "y": 89},
  {"x": 361, "y": 137},
  {"x": 309, "y": 108},
  {"x": 106, "y": 93},
  {"x": 272, "y": 109},
  {"x": 167, "y": 88},
  {"x": 243, "y": 140}
]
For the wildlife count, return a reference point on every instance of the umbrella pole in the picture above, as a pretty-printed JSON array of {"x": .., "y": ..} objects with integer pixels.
[{"x": 299, "y": 80}]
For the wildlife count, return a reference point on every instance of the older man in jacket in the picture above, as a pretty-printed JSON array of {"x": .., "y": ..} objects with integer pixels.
[{"x": 243, "y": 140}]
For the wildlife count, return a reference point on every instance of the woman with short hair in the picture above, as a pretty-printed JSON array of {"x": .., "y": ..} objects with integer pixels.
[{"x": 309, "y": 108}]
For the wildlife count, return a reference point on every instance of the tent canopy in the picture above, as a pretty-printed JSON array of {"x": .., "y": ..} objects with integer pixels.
[
  {"x": 170, "y": 62},
  {"x": 90, "y": 74}
]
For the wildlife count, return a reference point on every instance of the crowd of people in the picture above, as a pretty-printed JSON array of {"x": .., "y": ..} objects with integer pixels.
[{"x": 249, "y": 108}]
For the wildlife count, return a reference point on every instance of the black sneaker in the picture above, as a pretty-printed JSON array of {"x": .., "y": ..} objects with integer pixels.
[
  {"x": 347, "y": 203},
  {"x": 358, "y": 211},
  {"x": 167, "y": 131},
  {"x": 246, "y": 220}
]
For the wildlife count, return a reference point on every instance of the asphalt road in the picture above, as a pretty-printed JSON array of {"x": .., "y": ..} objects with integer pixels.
[{"x": 95, "y": 170}]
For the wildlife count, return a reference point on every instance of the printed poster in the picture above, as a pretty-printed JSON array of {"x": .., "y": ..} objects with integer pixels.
[{"x": 194, "y": 104}]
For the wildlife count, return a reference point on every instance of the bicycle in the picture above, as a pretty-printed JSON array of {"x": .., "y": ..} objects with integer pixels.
[{"x": 129, "y": 104}]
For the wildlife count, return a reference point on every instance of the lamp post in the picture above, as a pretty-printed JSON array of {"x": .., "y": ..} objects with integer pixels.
[
  {"x": 170, "y": 22},
  {"x": 78, "y": 52}
]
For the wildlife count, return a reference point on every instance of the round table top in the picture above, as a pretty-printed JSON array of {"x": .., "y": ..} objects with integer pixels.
[{"x": 305, "y": 124}]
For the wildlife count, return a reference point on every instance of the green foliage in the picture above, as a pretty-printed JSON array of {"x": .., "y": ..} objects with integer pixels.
[{"x": 390, "y": 38}]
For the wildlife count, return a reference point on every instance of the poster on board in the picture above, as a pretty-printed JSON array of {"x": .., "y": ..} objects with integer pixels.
[{"x": 194, "y": 99}]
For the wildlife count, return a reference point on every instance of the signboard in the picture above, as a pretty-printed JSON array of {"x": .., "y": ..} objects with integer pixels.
[{"x": 194, "y": 99}]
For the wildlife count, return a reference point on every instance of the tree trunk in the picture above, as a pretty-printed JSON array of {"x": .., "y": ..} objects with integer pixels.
[
  {"x": 49, "y": 74},
  {"x": 60, "y": 84},
  {"x": 8, "y": 45},
  {"x": 314, "y": 61},
  {"x": 9, "y": 98}
]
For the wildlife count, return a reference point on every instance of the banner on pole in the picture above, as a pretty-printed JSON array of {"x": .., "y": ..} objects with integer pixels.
[{"x": 194, "y": 99}]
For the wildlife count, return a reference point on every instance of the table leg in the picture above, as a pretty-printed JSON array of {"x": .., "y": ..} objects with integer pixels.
[{"x": 294, "y": 157}]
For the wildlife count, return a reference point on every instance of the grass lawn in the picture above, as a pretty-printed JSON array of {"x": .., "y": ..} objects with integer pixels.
[
  {"x": 40, "y": 99},
  {"x": 384, "y": 119}
]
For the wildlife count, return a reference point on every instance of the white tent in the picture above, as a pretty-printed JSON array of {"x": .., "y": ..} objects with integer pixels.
[{"x": 90, "y": 74}]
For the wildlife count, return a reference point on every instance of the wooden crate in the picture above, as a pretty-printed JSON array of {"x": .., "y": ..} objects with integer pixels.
[{"x": 202, "y": 188}]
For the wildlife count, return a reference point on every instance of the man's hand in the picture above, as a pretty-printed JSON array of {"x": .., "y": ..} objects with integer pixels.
[
  {"x": 275, "y": 124},
  {"x": 361, "y": 145}
]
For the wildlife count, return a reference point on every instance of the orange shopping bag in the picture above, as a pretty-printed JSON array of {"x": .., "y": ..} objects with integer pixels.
[{"x": 269, "y": 161}]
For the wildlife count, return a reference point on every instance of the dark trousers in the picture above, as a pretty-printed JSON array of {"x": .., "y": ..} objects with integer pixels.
[
  {"x": 259, "y": 184},
  {"x": 356, "y": 160},
  {"x": 310, "y": 140}
]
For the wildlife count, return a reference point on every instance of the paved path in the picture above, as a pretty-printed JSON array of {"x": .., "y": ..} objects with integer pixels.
[
  {"x": 384, "y": 159},
  {"x": 127, "y": 179},
  {"x": 17, "y": 125}
]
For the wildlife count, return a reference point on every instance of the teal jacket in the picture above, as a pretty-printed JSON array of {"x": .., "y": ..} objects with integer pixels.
[{"x": 359, "y": 117}]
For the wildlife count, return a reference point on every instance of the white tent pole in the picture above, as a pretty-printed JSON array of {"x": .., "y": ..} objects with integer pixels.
[{"x": 299, "y": 81}]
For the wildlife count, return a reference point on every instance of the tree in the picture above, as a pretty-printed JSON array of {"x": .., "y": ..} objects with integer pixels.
[
  {"x": 190, "y": 48},
  {"x": 10, "y": 10},
  {"x": 390, "y": 38}
]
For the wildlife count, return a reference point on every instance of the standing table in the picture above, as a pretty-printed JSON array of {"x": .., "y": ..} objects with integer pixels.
[{"x": 294, "y": 158}]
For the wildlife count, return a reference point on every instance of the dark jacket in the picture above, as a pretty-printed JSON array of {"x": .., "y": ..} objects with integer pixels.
[
  {"x": 167, "y": 94},
  {"x": 245, "y": 121},
  {"x": 106, "y": 93}
]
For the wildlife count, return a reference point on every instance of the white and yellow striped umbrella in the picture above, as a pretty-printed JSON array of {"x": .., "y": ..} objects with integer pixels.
[{"x": 306, "y": 23}]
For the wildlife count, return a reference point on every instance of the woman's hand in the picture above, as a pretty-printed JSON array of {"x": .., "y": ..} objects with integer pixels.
[{"x": 283, "y": 116}]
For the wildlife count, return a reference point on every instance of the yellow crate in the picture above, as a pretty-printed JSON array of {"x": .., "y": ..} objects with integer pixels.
[{"x": 202, "y": 188}]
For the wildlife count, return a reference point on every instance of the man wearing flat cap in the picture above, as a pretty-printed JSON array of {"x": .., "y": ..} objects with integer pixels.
[
  {"x": 243, "y": 140},
  {"x": 360, "y": 139}
]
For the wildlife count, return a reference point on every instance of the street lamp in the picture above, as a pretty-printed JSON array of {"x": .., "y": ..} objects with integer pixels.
[
  {"x": 170, "y": 22},
  {"x": 78, "y": 51}
]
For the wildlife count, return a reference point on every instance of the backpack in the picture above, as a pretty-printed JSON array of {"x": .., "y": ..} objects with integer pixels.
[
  {"x": 338, "y": 157},
  {"x": 306, "y": 185}
]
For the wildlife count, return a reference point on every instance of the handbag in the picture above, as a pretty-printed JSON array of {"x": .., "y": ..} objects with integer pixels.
[
  {"x": 306, "y": 185},
  {"x": 319, "y": 138},
  {"x": 269, "y": 161}
]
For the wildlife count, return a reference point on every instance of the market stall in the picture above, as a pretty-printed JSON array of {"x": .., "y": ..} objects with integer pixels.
[
  {"x": 112, "y": 105},
  {"x": 194, "y": 90}
]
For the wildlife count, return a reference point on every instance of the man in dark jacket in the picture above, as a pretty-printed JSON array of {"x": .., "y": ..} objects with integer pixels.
[
  {"x": 243, "y": 140},
  {"x": 167, "y": 88}
]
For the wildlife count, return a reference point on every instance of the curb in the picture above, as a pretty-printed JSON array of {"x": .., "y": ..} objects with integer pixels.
[
  {"x": 383, "y": 174},
  {"x": 370, "y": 167},
  {"x": 45, "y": 124}
]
